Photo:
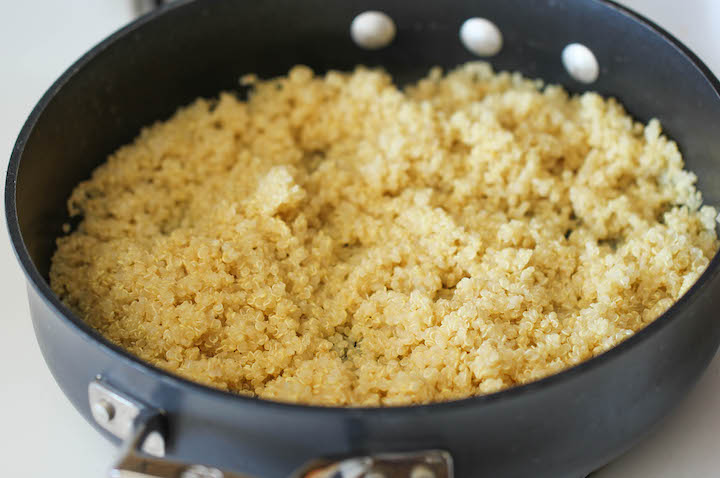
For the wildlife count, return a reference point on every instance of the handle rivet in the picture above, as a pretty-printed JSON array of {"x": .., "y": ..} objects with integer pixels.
[
  {"x": 103, "y": 411},
  {"x": 200, "y": 471},
  {"x": 580, "y": 63},
  {"x": 422, "y": 471},
  {"x": 481, "y": 36},
  {"x": 372, "y": 30}
]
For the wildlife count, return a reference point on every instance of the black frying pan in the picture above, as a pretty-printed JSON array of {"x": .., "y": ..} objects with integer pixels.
[{"x": 565, "y": 425}]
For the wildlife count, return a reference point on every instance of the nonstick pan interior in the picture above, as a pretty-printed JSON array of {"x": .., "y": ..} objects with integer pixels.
[{"x": 151, "y": 72}]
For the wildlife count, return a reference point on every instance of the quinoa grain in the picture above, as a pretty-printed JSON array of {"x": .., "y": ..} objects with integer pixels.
[{"x": 337, "y": 241}]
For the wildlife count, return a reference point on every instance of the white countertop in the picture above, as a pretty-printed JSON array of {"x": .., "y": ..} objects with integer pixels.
[{"x": 41, "y": 435}]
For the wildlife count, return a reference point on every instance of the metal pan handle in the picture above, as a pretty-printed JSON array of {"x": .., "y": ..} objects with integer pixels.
[
  {"x": 134, "y": 462},
  {"x": 143, "y": 430}
]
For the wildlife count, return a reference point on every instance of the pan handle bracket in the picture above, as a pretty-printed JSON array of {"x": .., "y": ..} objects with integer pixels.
[{"x": 143, "y": 430}]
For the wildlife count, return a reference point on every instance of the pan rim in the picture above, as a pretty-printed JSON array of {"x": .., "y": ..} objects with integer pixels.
[{"x": 41, "y": 287}]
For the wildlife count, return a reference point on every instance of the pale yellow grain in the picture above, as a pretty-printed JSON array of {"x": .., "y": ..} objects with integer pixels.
[{"x": 334, "y": 240}]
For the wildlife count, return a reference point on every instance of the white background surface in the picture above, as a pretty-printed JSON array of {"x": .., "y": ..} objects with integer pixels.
[{"x": 41, "y": 435}]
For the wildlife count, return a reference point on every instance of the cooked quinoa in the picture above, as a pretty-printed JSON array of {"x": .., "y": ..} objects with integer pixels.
[{"x": 336, "y": 240}]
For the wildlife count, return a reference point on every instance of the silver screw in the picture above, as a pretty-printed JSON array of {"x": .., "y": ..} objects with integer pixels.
[
  {"x": 200, "y": 471},
  {"x": 422, "y": 471},
  {"x": 103, "y": 411}
]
